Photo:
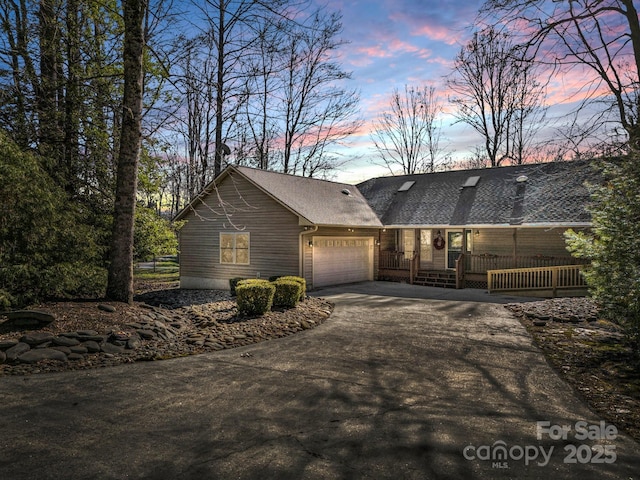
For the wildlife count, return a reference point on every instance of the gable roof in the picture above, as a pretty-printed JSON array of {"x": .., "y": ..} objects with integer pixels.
[
  {"x": 316, "y": 202},
  {"x": 532, "y": 195}
]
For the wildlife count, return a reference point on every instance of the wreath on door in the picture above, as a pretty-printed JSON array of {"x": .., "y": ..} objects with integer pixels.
[{"x": 438, "y": 242}]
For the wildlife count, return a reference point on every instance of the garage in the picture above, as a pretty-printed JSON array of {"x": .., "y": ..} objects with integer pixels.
[{"x": 339, "y": 260}]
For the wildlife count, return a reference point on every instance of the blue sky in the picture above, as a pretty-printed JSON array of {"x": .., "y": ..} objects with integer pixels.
[{"x": 394, "y": 43}]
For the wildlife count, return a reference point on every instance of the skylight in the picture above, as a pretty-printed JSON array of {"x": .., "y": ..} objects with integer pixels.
[
  {"x": 406, "y": 186},
  {"x": 471, "y": 181}
]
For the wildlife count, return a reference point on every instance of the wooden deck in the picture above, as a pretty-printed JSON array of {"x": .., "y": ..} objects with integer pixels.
[
  {"x": 547, "y": 279},
  {"x": 538, "y": 275}
]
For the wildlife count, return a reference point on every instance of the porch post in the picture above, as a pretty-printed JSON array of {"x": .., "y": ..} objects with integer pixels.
[
  {"x": 411, "y": 269},
  {"x": 515, "y": 248}
]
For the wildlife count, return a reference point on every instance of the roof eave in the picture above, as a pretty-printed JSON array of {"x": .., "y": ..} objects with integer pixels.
[{"x": 493, "y": 225}]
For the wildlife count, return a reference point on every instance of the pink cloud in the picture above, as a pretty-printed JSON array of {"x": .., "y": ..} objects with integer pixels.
[{"x": 439, "y": 33}]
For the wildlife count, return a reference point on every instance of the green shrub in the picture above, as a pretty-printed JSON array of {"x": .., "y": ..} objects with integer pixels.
[
  {"x": 61, "y": 280},
  {"x": 254, "y": 296},
  {"x": 6, "y": 300},
  {"x": 287, "y": 293},
  {"x": 233, "y": 283},
  {"x": 613, "y": 246},
  {"x": 273, "y": 278},
  {"x": 301, "y": 281},
  {"x": 51, "y": 244}
]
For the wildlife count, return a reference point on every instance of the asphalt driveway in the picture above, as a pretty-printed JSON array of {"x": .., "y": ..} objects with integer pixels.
[{"x": 391, "y": 386}]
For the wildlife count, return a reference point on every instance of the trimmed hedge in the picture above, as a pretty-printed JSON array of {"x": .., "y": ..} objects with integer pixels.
[
  {"x": 254, "y": 296},
  {"x": 287, "y": 293},
  {"x": 233, "y": 283},
  {"x": 300, "y": 280}
]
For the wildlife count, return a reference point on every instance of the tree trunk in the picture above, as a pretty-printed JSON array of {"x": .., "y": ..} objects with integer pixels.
[
  {"x": 220, "y": 91},
  {"x": 120, "y": 282}
]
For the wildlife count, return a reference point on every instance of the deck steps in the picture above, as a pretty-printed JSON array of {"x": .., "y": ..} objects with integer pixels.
[{"x": 435, "y": 279}]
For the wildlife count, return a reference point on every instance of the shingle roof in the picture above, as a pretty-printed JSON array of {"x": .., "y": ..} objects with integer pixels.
[
  {"x": 320, "y": 202},
  {"x": 552, "y": 194}
]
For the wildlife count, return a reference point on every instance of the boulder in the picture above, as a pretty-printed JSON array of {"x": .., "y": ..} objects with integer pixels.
[
  {"x": 17, "y": 350},
  {"x": 65, "y": 341},
  {"x": 111, "y": 348},
  {"x": 8, "y": 343},
  {"x": 91, "y": 346},
  {"x": 37, "y": 338},
  {"x": 21, "y": 319},
  {"x": 40, "y": 354}
]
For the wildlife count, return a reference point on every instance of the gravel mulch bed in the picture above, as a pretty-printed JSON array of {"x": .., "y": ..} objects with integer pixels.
[{"x": 165, "y": 323}]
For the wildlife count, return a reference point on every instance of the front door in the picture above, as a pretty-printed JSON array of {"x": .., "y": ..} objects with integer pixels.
[
  {"x": 426, "y": 252},
  {"x": 454, "y": 246}
]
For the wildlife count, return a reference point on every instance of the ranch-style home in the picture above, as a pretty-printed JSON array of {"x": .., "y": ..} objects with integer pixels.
[{"x": 453, "y": 229}]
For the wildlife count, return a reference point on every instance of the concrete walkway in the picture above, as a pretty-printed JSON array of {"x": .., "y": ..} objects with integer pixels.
[{"x": 391, "y": 386}]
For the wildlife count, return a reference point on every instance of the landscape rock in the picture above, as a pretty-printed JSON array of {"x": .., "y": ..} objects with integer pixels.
[
  {"x": 64, "y": 341},
  {"x": 63, "y": 349},
  {"x": 5, "y": 344},
  {"x": 92, "y": 346},
  {"x": 28, "y": 318},
  {"x": 107, "y": 308},
  {"x": 40, "y": 354},
  {"x": 182, "y": 323},
  {"x": 111, "y": 348},
  {"x": 34, "y": 339},
  {"x": 18, "y": 349}
]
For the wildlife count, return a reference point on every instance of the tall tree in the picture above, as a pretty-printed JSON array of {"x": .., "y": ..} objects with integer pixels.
[
  {"x": 230, "y": 28},
  {"x": 408, "y": 135},
  {"x": 600, "y": 36},
  {"x": 120, "y": 280},
  {"x": 497, "y": 93},
  {"x": 315, "y": 110}
]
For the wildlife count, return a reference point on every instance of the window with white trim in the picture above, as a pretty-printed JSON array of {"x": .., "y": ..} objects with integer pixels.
[{"x": 234, "y": 248}]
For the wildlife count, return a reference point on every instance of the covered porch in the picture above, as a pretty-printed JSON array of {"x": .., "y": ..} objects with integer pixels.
[{"x": 462, "y": 257}]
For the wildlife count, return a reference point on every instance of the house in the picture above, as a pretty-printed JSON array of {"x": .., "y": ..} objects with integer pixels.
[{"x": 447, "y": 228}]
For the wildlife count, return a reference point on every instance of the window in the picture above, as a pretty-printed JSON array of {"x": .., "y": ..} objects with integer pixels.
[{"x": 234, "y": 248}]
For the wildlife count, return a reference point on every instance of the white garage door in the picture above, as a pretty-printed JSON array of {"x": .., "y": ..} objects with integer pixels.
[{"x": 339, "y": 260}]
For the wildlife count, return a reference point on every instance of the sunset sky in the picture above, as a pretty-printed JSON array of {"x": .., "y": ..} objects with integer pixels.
[{"x": 394, "y": 43}]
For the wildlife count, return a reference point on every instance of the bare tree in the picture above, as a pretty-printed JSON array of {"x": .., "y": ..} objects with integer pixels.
[
  {"x": 314, "y": 110},
  {"x": 258, "y": 129},
  {"x": 409, "y": 135},
  {"x": 497, "y": 93},
  {"x": 601, "y": 36}
]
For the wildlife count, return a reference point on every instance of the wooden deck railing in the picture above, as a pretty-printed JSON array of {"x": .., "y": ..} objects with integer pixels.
[
  {"x": 483, "y": 263},
  {"x": 394, "y": 261},
  {"x": 543, "y": 278},
  {"x": 473, "y": 263}
]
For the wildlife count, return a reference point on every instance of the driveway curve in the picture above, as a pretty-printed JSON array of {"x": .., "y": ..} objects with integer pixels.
[{"x": 399, "y": 383}]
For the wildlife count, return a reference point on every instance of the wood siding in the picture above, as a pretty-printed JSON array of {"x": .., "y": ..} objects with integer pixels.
[
  {"x": 274, "y": 232},
  {"x": 520, "y": 241}
]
